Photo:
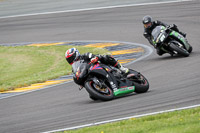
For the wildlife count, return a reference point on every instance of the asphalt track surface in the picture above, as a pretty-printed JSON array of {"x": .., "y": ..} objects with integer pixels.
[
  {"x": 174, "y": 81},
  {"x": 21, "y": 7}
]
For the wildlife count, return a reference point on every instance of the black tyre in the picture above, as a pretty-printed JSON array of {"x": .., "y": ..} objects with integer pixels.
[
  {"x": 93, "y": 98},
  {"x": 174, "y": 46},
  {"x": 96, "y": 92},
  {"x": 190, "y": 49},
  {"x": 140, "y": 82}
]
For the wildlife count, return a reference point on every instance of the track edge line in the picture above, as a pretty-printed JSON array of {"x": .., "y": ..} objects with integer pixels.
[{"x": 124, "y": 118}]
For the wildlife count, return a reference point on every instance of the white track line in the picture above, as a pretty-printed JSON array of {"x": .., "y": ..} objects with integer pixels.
[
  {"x": 96, "y": 8},
  {"x": 119, "y": 119}
]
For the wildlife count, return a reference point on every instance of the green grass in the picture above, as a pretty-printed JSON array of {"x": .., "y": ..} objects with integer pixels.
[
  {"x": 185, "y": 121},
  {"x": 24, "y": 65}
]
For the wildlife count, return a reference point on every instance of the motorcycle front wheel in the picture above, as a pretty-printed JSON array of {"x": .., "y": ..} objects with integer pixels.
[
  {"x": 104, "y": 93},
  {"x": 179, "y": 49}
]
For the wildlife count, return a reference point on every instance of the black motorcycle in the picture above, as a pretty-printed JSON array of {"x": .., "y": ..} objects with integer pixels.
[
  {"x": 170, "y": 41},
  {"x": 104, "y": 82}
]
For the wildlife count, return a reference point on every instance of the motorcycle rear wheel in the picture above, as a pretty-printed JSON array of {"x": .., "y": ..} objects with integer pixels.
[{"x": 140, "y": 82}]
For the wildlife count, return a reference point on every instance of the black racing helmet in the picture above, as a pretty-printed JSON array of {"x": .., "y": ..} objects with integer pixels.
[{"x": 147, "y": 21}]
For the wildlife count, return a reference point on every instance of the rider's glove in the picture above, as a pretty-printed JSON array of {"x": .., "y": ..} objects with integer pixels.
[
  {"x": 145, "y": 35},
  {"x": 171, "y": 26},
  {"x": 94, "y": 60}
]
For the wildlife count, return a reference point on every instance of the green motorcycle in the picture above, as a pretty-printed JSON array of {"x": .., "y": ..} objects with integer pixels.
[{"x": 170, "y": 41}]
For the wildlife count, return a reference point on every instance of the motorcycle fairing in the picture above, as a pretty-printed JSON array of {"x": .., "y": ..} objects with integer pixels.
[
  {"x": 124, "y": 90},
  {"x": 158, "y": 34},
  {"x": 96, "y": 66},
  {"x": 101, "y": 71},
  {"x": 180, "y": 38},
  {"x": 80, "y": 70}
]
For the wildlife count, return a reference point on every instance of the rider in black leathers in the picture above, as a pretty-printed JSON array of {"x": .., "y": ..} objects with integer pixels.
[
  {"x": 149, "y": 25},
  {"x": 73, "y": 55}
]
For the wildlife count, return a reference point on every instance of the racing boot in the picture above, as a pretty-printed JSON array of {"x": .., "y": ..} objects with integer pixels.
[
  {"x": 182, "y": 33},
  {"x": 123, "y": 69}
]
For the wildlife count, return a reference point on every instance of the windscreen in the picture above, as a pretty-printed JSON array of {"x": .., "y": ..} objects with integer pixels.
[
  {"x": 80, "y": 68},
  {"x": 156, "y": 32}
]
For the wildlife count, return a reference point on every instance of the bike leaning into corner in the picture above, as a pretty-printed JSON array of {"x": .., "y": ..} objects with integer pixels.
[
  {"x": 166, "y": 38},
  {"x": 170, "y": 41},
  {"x": 105, "y": 82}
]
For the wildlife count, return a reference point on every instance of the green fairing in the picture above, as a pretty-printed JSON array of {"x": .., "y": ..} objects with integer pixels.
[
  {"x": 174, "y": 33},
  {"x": 122, "y": 91},
  {"x": 180, "y": 38},
  {"x": 163, "y": 28},
  {"x": 154, "y": 42}
]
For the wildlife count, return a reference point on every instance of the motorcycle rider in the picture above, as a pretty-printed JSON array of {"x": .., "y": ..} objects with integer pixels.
[
  {"x": 149, "y": 25},
  {"x": 72, "y": 55}
]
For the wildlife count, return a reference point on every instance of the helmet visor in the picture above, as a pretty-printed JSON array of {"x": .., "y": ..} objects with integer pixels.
[
  {"x": 71, "y": 59},
  {"x": 148, "y": 25}
]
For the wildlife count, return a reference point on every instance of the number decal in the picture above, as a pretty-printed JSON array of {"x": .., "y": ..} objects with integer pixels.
[{"x": 162, "y": 38}]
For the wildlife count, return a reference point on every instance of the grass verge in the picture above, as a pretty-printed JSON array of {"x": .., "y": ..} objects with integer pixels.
[
  {"x": 25, "y": 65},
  {"x": 184, "y": 121}
]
